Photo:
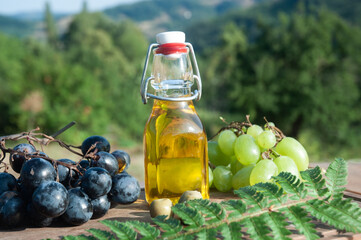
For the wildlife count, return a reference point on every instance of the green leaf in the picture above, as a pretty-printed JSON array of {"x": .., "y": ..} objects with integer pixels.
[
  {"x": 298, "y": 216},
  {"x": 341, "y": 214},
  {"x": 236, "y": 208},
  {"x": 231, "y": 231},
  {"x": 336, "y": 178},
  {"x": 273, "y": 192},
  {"x": 254, "y": 199},
  {"x": 277, "y": 223},
  {"x": 257, "y": 228},
  {"x": 315, "y": 183},
  {"x": 121, "y": 230},
  {"x": 190, "y": 216},
  {"x": 169, "y": 226},
  {"x": 101, "y": 234},
  {"x": 80, "y": 237},
  {"x": 213, "y": 211},
  {"x": 291, "y": 184},
  {"x": 145, "y": 229}
]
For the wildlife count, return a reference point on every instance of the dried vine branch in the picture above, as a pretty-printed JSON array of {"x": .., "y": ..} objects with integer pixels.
[{"x": 34, "y": 136}]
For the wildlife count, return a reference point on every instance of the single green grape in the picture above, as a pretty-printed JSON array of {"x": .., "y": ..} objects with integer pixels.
[
  {"x": 263, "y": 172},
  {"x": 241, "y": 178},
  {"x": 215, "y": 155},
  {"x": 290, "y": 147},
  {"x": 268, "y": 125},
  {"x": 286, "y": 164},
  {"x": 266, "y": 140},
  {"x": 254, "y": 131},
  {"x": 222, "y": 178},
  {"x": 226, "y": 141},
  {"x": 210, "y": 177},
  {"x": 235, "y": 165},
  {"x": 246, "y": 150}
]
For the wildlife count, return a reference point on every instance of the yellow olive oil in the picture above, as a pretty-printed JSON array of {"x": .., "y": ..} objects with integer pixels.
[{"x": 175, "y": 147}]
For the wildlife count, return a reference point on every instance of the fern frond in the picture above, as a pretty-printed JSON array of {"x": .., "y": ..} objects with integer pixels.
[
  {"x": 339, "y": 213},
  {"x": 121, "y": 230},
  {"x": 263, "y": 211},
  {"x": 169, "y": 226},
  {"x": 80, "y": 237},
  {"x": 253, "y": 199},
  {"x": 235, "y": 207},
  {"x": 101, "y": 234},
  {"x": 213, "y": 211},
  {"x": 257, "y": 228},
  {"x": 291, "y": 184},
  {"x": 189, "y": 216},
  {"x": 336, "y": 178},
  {"x": 302, "y": 223},
  {"x": 314, "y": 182},
  {"x": 144, "y": 229},
  {"x": 277, "y": 223},
  {"x": 273, "y": 192},
  {"x": 231, "y": 231}
]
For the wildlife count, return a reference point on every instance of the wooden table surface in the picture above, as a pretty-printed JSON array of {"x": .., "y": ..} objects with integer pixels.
[{"x": 139, "y": 211}]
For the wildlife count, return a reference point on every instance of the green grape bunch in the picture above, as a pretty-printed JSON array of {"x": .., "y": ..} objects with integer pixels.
[{"x": 243, "y": 154}]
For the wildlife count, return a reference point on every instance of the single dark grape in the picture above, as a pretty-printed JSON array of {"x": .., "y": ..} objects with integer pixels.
[
  {"x": 83, "y": 165},
  {"x": 123, "y": 159},
  {"x": 101, "y": 206},
  {"x": 64, "y": 172},
  {"x": 7, "y": 182},
  {"x": 34, "y": 172},
  {"x": 101, "y": 144},
  {"x": 80, "y": 209},
  {"x": 125, "y": 189},
  {"x": 35, "y": 218},
  {"x": 108, "y": 162},
  {"x": 12, "y": 209},
  {"x": 50, "y": 199},
  {"x": 96, "y": 182},
  {"x": 16, "y": 160}
]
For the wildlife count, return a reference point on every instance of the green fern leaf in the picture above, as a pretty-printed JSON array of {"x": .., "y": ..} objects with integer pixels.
[
  {"x": 121, "y": 230},
  {"x": 273, "y": 192},
  {"x": 80, "y": 237},
  {"x": 253, "y": 199},
  {"x": 277, "y": 223},
  {"x": 145, "y": 229},
  {"x": 339, "y": 213},
  {"x": 291, "y": 184},
  {"x": 299, "y": 218},
  {"x": 231, "y": 231},
  {"x": 169, "y": 226},
  {"x": 257, "y": 228},
  {"x": 190, "y": 216},
  {"x": 101, "y": 234},
  {"x": 314, "y": 182},
  {"x": 236, "y": 208},
  {"x": 336, "y": 178},
  {"x": 213, "y": 211}
]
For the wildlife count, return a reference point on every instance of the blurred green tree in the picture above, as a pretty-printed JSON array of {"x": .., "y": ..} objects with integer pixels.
[{"x": 302, "y": 74}]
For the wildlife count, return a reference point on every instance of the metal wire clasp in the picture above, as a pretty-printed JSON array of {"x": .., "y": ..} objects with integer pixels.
[{"x": 196, "y": 95}]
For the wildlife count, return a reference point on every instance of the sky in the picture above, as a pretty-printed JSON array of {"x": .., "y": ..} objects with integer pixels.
[{"x": 8, "y": 7}]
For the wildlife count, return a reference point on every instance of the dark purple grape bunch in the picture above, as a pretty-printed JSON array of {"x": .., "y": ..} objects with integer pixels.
[{"x": 65, "y": 190}]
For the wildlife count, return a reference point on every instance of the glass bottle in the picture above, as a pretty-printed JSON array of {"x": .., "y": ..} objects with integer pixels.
[{"x": 175, "y": 144}]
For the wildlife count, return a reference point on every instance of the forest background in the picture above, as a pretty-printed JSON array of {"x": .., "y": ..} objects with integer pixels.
[{"x": 295, "y": 62}]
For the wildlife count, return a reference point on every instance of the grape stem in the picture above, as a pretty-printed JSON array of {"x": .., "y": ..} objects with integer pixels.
[{"x": 33, "y": 136}]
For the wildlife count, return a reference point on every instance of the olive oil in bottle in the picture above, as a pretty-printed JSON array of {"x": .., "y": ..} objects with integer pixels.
[{"x": 175, "y": 144}]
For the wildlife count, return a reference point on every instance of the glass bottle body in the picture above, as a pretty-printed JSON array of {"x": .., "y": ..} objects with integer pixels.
[{"x": 175, "y": 151}]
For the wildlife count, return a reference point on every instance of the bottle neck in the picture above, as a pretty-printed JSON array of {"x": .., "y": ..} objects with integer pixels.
[{"x": 172, "y": 72}]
